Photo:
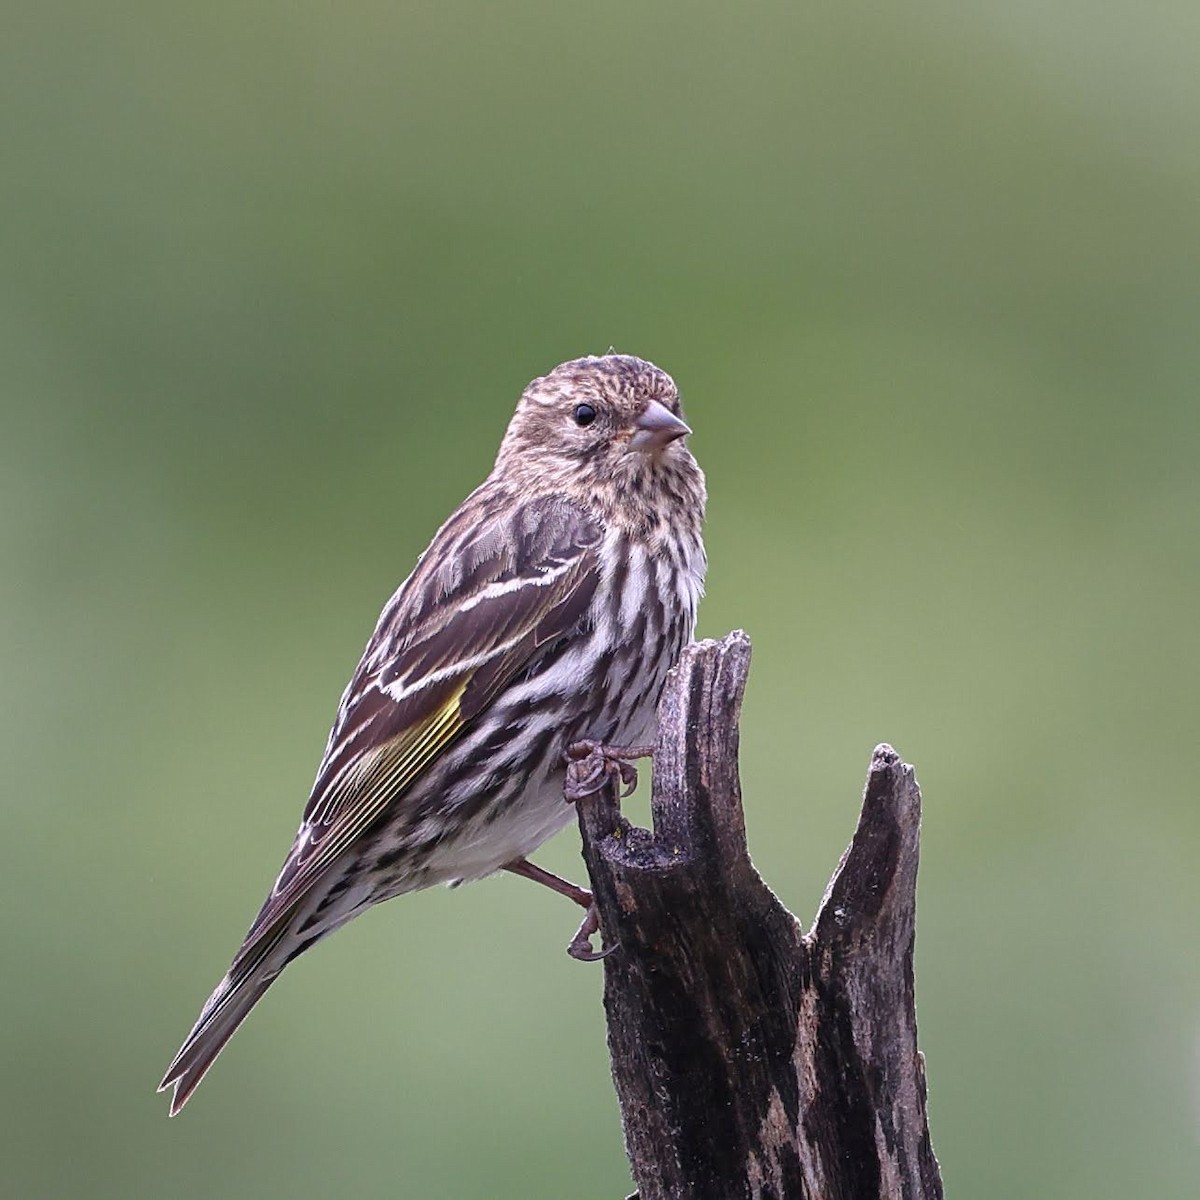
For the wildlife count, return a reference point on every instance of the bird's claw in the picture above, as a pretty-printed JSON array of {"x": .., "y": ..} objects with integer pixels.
[
  {"x": 581, "y": 944},
  {"x": 592, "y": 765}
]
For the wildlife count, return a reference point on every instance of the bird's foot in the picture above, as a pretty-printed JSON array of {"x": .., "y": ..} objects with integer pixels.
[
  {"x": 591, "y": 765},
  {"x": 581, "y": 944}
]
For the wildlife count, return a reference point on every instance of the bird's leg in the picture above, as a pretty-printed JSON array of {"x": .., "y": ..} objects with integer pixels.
[
  {"x": 590, "y": 766},
  {"x": 581, "y": 943},
  {"x": 564, "y": 887}
]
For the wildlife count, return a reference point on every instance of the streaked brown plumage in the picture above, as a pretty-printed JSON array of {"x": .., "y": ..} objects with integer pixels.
[{"x": 547, "y": 610}]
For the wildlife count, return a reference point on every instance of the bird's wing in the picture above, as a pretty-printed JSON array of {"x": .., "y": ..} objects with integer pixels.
[{"x": 483, "y": 600}]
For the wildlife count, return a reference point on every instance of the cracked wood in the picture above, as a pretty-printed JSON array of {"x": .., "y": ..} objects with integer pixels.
[{"x": 751, "y": 1059}]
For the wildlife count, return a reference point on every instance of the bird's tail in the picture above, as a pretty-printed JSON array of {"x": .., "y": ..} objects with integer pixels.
[{"x": 225, "y": 1010}]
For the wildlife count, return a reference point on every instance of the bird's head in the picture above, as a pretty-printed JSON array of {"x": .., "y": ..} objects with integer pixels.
[{"x": 606, "y": 429}]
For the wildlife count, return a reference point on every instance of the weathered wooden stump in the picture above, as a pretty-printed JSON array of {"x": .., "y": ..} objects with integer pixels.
[{"x": 751, "y": 1059}]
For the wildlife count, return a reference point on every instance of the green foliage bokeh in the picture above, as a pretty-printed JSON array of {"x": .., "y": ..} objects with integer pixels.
[{"x": 271, "y": 278}]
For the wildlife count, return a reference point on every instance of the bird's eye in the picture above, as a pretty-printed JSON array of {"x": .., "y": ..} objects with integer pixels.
[{"x": 584, "y": 415}]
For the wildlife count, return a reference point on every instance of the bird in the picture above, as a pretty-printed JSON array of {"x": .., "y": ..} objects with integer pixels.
[{"x": 542, "y": 619}]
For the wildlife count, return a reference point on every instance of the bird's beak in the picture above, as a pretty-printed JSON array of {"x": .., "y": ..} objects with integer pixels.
[{"x": 657, "y": 427}]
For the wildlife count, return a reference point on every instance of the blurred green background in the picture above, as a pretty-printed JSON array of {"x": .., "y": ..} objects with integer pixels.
[{"x": 272, "y": 277}]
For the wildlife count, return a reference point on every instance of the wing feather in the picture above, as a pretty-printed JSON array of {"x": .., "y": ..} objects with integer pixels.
[{"x": 482, "y": 603}]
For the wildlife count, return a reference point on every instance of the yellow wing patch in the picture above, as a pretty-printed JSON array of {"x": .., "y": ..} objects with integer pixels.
[{"x": 376, "y": 780}]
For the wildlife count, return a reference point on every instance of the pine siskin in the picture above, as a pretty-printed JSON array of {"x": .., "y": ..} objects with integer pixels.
[{"x": 546, "y": 612}]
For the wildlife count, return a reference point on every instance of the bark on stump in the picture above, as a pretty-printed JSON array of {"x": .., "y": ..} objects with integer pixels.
[{"x": 751, "y": 1059}]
